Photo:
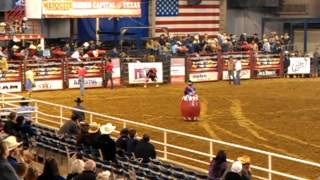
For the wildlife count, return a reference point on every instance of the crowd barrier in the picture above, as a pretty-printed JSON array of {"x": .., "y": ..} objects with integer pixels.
[{"x": 61, "y": 73}]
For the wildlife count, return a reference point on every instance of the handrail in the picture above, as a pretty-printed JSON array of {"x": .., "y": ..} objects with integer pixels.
[{"x": 166, "y": 131}]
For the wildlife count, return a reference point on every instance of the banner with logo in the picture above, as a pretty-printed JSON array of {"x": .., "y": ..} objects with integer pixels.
[
  {"x": 203, "y": 76},
  {"x": 11, "y": 86},
  {"x": 203, "y": 68},
  {"x": 138, "y": 72},
  {"x": 299, "y": 65},
  {"x": 90, "y": 82},
  {"x": 245, "y": 74},
  {"x": 116, "y": 75},
  {"x": 90, "y": 8},
  {"x": 177, "y": 71},
  {"x": 41, "y": 85}
]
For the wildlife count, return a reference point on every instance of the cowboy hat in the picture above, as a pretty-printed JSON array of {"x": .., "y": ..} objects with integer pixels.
[
  {"x": 95, "y": 53},
  {"x": 94, "y": 127},
  {"x": 78, "y": 100},
  {"x": 32, "y": 46},
  {"x": 236, "y": 167},
  {"x": 12, "y": 143},
  {"x": 190, "y": 82},
  {"x": 244, "y": 159},
  {"x": 107, "y": 129},
  {"x": 15, "y": 47},
  {"x": 86, "y": 44},
  {"x": 24, "y": 103}
]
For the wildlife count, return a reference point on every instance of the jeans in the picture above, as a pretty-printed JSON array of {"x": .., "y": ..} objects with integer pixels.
[
  {"x": 81, "y": 83},
  {"x": 231, "y": 76},
  {"x": 109, "y": 77},
  {"x": 237, "y": 79}
]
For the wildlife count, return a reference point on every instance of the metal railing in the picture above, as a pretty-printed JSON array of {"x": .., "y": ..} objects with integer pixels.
[{"x": 169, "y": 150}]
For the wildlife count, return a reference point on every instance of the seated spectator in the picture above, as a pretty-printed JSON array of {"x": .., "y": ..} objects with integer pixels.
[
  {"x": 218, "y": 166},
  {"x": 246, "y": 170},
  {"x": 145, "y": 150},
  {"x": 7, "y": 171},
  {"x": 88, "y": 172},
  {"x": 106, "y": 144},
  {"x": 21, "y": 170},
  {"x": 104, "y": 175},
  {"x": 77, "y": 54},
  {"x": 10, "y": 126},
  {"x": 50, "y": 171},
  {"x": 71, "y": 127},
  {"x": 234, "y": 174},
  {"x": 90, "y": 138},
  {"x": 32, "y": 174},
  {"x": 77, "y": 167},
  {"x": 1, "y": 125},
  {"x": 132, "y": 141},
  {"x": 80, "y": 114},
  {"x": 122, "y": 141},
  {"x": 12, "y": 146}
]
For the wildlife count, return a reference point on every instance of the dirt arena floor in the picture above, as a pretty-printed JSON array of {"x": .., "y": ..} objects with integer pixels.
[{"x": 280, "y": 115}]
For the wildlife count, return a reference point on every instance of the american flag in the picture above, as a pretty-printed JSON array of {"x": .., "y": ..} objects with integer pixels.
[{"x": 182, "y": 19}]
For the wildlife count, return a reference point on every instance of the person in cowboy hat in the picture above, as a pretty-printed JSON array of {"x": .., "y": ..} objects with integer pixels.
[
  {"x": 105, "y": 143},
  {"x": 235, "y": 170},
  {"x": 25, "y": 110},
  {"x": 89, "y": 135},
  {"x": 190, "y": 90},
  {"x": 80, "y": 114},
  {"x": 71, "y": 127},
  {"x": 246, "y": 170},
  {"x": 12, "y": 145},
  {"x": 7, "y": 171}
]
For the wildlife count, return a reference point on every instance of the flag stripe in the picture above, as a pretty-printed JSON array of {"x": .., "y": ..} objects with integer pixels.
[
  {"x": 187, "y": 22},
  {"x": 204, "y": 2},
  {"x": 199, "y": 6},
  {"x": 182, "y": 18},
  {"x": 191, "y": 26},
  {"x": 204, "y": 10},
  {"x": 190, "y": 29}
]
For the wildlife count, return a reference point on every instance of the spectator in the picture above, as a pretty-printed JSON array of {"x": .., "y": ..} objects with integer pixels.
[
  {"x": 218, "y": 166},
  {"x": 266, "y": 46},
  {"x": 234, "y": 174},
  {"x": 29, "y": 81},
  {"x": 32, "y": 174},
  {"x": 77, "y": 167},
  {"x": 71, "y": 127},
  {"x": 246, "y": 170},
  {"x": 104, "y": 175},
  {"x": 122, "y": 141},
  {"x": 50, "y": 171},
  {"x": 7, "y": 171},
  {"x": 132, "y": 141},
  {"x": 12, "y": 146},
  {"x": 145, "y": 150},
  {"x": 25, "y": 110},
  {"x": 238, "y": 68},
  {"x": 79, "y": 114},
  {"x": 77, "y": 54},
  {"x": 89, "y": 171},
  {"x": 93, "y": 135},
  {"x": 10, "y": 126},
  {"x": 21, "y": 170},
  {"x": 3, "y": 65},
  {"x": 231, "y": 64},
  {"x": 106, "y": 144}
]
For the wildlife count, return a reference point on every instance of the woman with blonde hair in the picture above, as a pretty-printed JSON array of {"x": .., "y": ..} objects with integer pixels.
[
  {"x": 29, "y": 84},
  {"x": 76, "y": 168}
]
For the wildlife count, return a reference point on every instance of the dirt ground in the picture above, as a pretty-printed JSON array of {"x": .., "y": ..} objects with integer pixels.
[{"x": 279, "y": 115}]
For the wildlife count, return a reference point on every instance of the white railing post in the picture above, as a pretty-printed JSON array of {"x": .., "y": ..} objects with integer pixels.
[
  {"x": 61, "y": 116},
  {"x": 211, "y": 150},
  {"x": 2, "y": 100},
  {"x": 165, "y": 156},
  {"x": 91, "y": 118},
  {"x": 36, "y": 108},
  {"x": 124, "y": 124},
  {"x": 270, "y": 166}
]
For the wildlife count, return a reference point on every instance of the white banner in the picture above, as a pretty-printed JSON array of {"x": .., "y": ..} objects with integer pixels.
[
  {"x": 245, "y": 74},
  {"x": 203, "y": 76},
  {"x": 138, "y": 72},
  {"x": 11, "y": 86},
  {"x": 48, "y": 85},
  {"x": 88, "y": 82},
  {"x": 177, "y": 70},
  {"x": 116, "y": 75},
  {"x": 299, "y": 65}
]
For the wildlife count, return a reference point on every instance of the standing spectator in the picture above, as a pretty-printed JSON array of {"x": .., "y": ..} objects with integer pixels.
[
  {"x": 29, "y": 81},
  {"x": 12, "y": 146},
  {"x": 77, "y": 167},
  {"x": 7, "y": 171},
  {"x": 122, "y": 141},
  {"x": 238, "y": 68},
  {"x": 246, "y": 170},
  {"x": 266, "y": 47},
  {"x": 77, "y": 54},
  {"x": 218, "y": 166},
  {"x": 106, "y": 144},
  {"x": 25, "y": 110},
  {"x": 145, "y": 149},
  {"x": 10, "y": 126},
  {"x": 81, "y": 74},
  {"x": 230, "y": 64},
  {"x": 21, "y": 170},
  {"x": 3, "y": 65},
  {"x": 89, "y": 171},
  {"x": 234, "y": 174},
  {"x": 71, "y": 127},
  {"x": 32, "y": 174},
  {"x": 50, "y": 171},
  {"x": 132, "y": 141},
  {"x": 79, "y": 114},
  {"x": 109, "y": 71}
]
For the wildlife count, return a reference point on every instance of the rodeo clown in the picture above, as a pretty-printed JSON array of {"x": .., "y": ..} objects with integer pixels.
[
  {"x": 151, "y": 75},
  {"x": 190, "y": 90},
  {"x": 190, "y": 106}
]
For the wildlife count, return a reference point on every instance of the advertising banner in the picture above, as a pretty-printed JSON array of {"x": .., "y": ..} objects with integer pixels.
[
  {"x": 203, "y": 76},
  {"x": 138, "y": 72},
  {"x": 245, "y": 74},
  {"x": 203, "y": 68},
  {"x": 299, "y": 65},
  {"x": 92, "y": 8},
  {"x": 41, "y": 85},
  {"x": 177, "y": 71},
  {"x": 11, "y": 86},
  {"x": 89, "y": 82},
  {"x": 116, "y": 75}
]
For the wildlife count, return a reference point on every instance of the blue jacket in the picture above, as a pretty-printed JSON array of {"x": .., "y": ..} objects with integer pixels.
[{"x": 7, "y": 171}]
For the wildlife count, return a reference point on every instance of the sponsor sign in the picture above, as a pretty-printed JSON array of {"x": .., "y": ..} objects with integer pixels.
[
  {"x": 116, "y": 75},
  {"x": 299, "y": 65},
  {"x": 266, "y": 73},
  {"x": 11, "y": 86},
  {"x": 203, "y": 76},
  {"x": 48, "y": 85},
  {"x": 88, "y": 82},
  {"x": 177, "y": 70},
  {"x": 138, "y": 72},
  {"x": 92, "y": 8},
  {"x": 245, "y": 74}
]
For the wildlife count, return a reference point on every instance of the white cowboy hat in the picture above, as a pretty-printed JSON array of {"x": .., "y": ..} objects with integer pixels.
[
  {"x": 12, "y": 143},
  {"x": 86, "y": 44},
  {"x": 236, "y": 167},
  {"x": 15, "y": 47},
  {"x": 94, "y": 127},
  {"x": 95, "y": 53},
  {"x": 32, "y": 46},
  {"x": 107, "y": 128},
  {"x": 3, "y": 24}
]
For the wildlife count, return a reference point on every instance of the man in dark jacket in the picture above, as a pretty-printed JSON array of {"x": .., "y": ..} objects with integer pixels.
[
  {"x": 71, "y": 127},
  {"x": 7, "y": 171},
  {"x": 132, "y": 142},
  {"x": 78, "y": 113},
  {"x": 88, "y": 172},
  {"x": 106, "y": 144},
  {"x": 145, "y": 150},
  {"x": 10, "y": 126},
  {"x": 122, "y": 141}
]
